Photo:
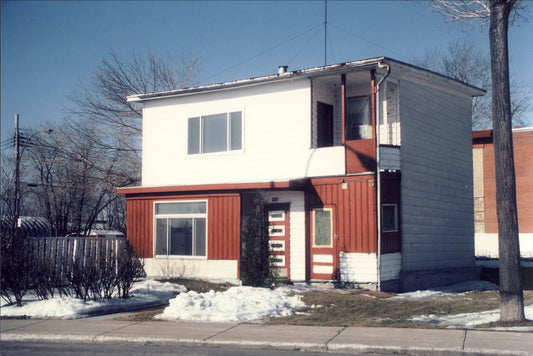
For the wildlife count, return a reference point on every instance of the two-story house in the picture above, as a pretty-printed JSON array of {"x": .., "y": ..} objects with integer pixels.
[{"x": 366, "y": 167}]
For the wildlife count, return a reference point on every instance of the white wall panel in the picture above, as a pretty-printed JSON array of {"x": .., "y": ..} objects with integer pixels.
[{"x": 276, "y": 145}]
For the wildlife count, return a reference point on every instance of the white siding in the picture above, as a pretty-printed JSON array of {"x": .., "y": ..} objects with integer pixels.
[
  {"x": 189, "y": 268},
  {"x": 362, "y": 267},
  {"x": 389, "y": 115},
  {"x": 487, "y": 245},
  {"x": 297, "y": 230},
  {"x": 276, "y": 145},
  {"x": 437, "y": 194},
  {"x": 358, "y": 267}
]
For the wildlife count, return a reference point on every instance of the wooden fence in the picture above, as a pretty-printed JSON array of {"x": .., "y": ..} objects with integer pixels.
[{"x": 63, "y": 252}]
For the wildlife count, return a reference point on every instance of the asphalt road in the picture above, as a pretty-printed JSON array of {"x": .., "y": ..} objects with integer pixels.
[{"x": 125, "y": 349}]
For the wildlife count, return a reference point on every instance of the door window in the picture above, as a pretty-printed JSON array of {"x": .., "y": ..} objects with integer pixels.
[{"x": 322, "y": 229}]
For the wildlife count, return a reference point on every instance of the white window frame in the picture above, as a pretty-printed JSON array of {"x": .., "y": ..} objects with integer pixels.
[
  {"x": 396, "y": 227},
  {"x": 167, "y": 216},
  {"x": 228, "y": 133}
]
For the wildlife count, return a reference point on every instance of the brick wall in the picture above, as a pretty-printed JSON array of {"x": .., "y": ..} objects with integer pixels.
[{"x": 523, "y": 154}]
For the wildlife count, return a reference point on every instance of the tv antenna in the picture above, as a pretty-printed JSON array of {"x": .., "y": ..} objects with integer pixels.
[{"x": 325, "y": 32}]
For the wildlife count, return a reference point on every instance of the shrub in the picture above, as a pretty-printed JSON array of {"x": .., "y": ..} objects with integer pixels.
[
  {"x": 16, "y": 268},
  {"x": 256, "y": 265}
]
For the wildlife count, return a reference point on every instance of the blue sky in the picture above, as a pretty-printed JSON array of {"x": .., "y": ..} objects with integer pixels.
[{"x": 49, "y": 47}]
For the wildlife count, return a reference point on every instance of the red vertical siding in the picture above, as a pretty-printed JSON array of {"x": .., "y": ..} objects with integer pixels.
[
  {"x": 223, "y": 219},
  {"x": 224, "y": 227},
  {"x": 355, "y": 209}
]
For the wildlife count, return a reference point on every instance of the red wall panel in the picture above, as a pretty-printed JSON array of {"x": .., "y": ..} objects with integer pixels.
[
  {"x": 223, "y": 219},
  {"x": 355, "y": 210}
]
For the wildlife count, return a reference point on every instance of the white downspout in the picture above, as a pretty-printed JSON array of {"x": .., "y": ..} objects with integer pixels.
[{"x": 378, "y": 177}]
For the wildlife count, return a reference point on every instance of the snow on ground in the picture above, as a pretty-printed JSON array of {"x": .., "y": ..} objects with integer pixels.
[
  {"x": 143, "y": 294},
  {"x": 447, "y": 290},
  {"x": 469, "y": 320},
  {"x": 237, "y": 304}
]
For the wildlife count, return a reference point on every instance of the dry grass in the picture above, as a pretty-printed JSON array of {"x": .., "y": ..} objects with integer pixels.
[{"x": 334, "y": 308}]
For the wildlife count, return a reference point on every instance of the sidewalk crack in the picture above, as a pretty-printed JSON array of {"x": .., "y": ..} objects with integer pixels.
[
  {"x": 335, "y": 336},
  {"x": 220, "y": 332},
  {"x": 109, "y": 331},
  {"x": 464, "y": 340}
]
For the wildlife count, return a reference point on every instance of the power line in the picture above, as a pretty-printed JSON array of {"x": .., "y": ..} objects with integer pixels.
[
  {"x": 264, "y": 52},
  {"x": 369, "y": 41}
]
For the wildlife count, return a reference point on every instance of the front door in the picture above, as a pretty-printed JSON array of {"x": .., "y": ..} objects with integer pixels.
[
  {"x": 279, "y": 238},
  {"x": 324, "y": 263}
]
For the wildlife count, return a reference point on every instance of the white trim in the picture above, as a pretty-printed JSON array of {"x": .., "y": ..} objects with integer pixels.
[
  {"x": 319, "y": 269},
  {"x": 323, "y": 258}
]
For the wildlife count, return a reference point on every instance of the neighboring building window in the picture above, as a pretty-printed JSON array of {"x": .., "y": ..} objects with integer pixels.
[
  {"x": 389, "y": 217},
  {"x": 181, "y": 228},
  {"x": 324, "y": 129},
  {"x": 322, "y": 227},
  {"x": 215, "y": 133},
  {"x": 358, "y": 121}
]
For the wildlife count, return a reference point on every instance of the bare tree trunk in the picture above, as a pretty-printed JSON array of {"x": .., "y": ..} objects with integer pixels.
[{"x": 511, "y": 295}]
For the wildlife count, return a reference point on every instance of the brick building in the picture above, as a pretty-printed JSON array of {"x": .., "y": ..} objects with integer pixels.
[{"x": 486, "y": 223}]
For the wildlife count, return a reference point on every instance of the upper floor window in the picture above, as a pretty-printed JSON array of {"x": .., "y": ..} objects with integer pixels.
[
  {"x": 358, "y": 121},
  {"x": 215, "y": 133}
]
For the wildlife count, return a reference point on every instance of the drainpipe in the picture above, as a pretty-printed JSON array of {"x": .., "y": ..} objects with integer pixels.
[{"x": 378, "y": 168}]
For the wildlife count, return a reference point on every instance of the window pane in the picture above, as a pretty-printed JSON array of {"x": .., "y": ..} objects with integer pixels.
[
  {"x": 200, "y": 237},
  {"x": 180, "y": 236},
  {"x": 161, "y": 237},
  {"x": 322, "y": 227},
  {"x": 236, "y": 130},
  {"x": 180, "y": 208},
  {"x": 389, "y": 220},
  {"x": 194, "y": 135},
  {"x": 214, "y": 133},
  {"x": 358, "y": 122}
]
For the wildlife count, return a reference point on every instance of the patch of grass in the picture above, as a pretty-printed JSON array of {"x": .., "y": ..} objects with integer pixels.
[
  {"x": 142, "y": 315},
  {"x": 198, "y": 285},
  {"x": 359, "y": 308}
]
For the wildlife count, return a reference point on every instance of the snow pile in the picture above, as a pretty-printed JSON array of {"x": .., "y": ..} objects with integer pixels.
[
  {"x": 237, "y": 304},
  {"x": 143, "y": 294}
]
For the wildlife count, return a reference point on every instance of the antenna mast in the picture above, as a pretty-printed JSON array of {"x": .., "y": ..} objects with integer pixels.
[{"x": 325, "y": 32}]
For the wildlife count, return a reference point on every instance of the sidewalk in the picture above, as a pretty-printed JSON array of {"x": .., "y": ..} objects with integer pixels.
[{"x": 309, "y": 338}]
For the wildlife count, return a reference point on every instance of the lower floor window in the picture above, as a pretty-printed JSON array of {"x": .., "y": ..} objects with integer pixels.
[{"x": 181, "y": 230}]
